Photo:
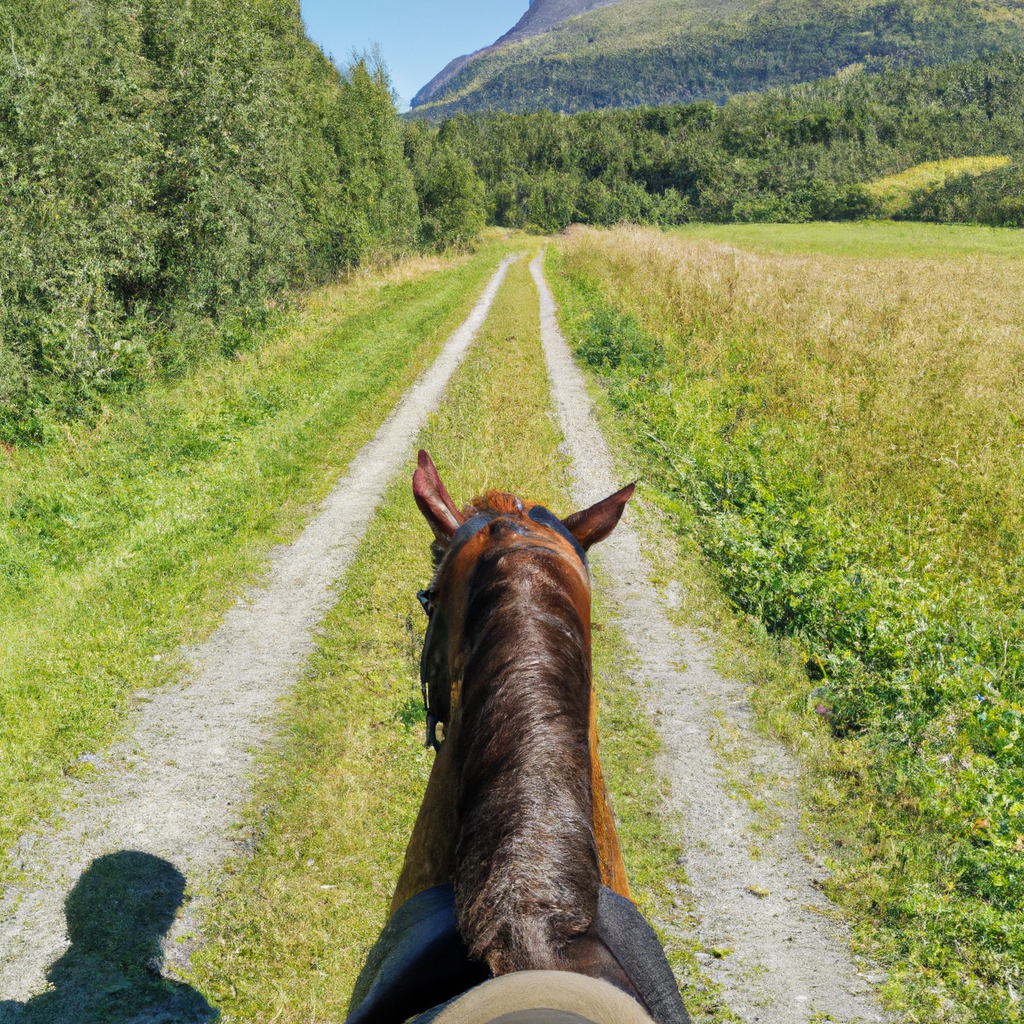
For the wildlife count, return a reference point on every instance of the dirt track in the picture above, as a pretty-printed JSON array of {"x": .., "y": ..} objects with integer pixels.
[
  {"x": 173, "y": 788},
  {"x": 788, "y": 962}
]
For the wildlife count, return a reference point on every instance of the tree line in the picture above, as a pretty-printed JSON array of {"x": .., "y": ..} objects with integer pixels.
[
  {"x": 796, "y": 154},
  {"x": 167, "y": 169},
  {"x": 170, "y": 169}
]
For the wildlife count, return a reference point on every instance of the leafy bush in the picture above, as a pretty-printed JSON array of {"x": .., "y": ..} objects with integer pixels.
[
  {"x": 614, "y": 341},
  {"x": 995, "y": 197},
  {"x": 166, "y": 166}
]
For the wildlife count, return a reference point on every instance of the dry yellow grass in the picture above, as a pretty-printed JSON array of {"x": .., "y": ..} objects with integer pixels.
[
  {"x": 894, "y": 190},
  {"x": 842, "y": 440},
  {"x": 911, "y": 369}
]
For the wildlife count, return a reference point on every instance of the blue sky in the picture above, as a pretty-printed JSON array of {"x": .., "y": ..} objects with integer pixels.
[{"x": 417, "y": 37}]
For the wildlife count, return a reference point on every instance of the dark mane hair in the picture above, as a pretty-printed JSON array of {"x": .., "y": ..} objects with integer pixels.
[{"x": 527, "y": 872}]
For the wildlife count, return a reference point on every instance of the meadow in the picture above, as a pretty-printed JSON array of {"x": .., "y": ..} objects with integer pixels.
[
  {"x": 872, "y": 240},
  {"x": 836, "y": 432}
]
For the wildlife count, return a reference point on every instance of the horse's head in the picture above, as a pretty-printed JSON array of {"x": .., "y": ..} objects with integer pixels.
[
  {"x": 493, "y": 527},
  {"x": 506, "y": 668}
]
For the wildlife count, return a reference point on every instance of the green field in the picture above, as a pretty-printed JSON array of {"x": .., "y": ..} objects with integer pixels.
[
  {"x": 836, "y": 429},
  {"x": 874, "y": 240}
]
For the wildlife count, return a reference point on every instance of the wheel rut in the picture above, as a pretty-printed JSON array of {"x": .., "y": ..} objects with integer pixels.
[
  {"x": 787, "y": 961},
  {"x": 175, "y": 787}
]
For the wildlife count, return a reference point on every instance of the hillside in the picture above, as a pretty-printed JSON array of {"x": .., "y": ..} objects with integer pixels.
[
  {"x": 649, "y": 52},
  {"x": 541, "y": 16}
]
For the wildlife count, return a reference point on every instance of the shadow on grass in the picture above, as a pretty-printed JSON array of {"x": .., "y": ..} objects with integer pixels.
[{"x": 117, "y": 913}]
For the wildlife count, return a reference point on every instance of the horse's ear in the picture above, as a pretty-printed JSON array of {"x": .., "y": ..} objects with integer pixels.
[
  {"x": 434, "y": 501},
  {"x": 595, "y": 523}
]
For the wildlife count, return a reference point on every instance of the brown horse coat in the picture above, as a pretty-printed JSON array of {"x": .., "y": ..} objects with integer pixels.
[{"x": 516, "y": 813}]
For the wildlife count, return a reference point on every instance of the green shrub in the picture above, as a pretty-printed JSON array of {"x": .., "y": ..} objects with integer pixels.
[
  {"x": 995, "y": 197},
  {"x": 614, "y": 341},
  {"x": 167, "y": 168}
]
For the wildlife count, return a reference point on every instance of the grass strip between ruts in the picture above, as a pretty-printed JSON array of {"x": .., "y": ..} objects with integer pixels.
[
  {"x": 124, "y": 540},
  {"x": 287, "y": 934}
]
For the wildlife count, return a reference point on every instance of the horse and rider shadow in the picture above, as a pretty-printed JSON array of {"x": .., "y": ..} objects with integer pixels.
[{"x": 120, "y": 908}]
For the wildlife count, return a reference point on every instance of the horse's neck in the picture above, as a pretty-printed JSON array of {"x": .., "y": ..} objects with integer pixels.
[{"x": 527, "y": 871}]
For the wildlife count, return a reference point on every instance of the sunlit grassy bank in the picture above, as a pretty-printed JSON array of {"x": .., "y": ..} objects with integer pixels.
[
  {"x": 842, "y": 440},
  {"x": 894, "y": 190},
  {"x": 288, "y": 933},
  {"x": 120, "y": 542}
]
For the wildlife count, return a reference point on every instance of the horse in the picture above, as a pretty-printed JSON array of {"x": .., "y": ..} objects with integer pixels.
[{"x": 514, "y": 864}]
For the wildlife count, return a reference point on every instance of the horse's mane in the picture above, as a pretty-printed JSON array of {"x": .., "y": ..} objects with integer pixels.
[{"x": 527, "y": 872}]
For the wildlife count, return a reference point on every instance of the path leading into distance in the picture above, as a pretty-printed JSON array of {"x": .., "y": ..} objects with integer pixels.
[
  {"x": 174, "y": 789},
  {"x": 788, "y": 964}
]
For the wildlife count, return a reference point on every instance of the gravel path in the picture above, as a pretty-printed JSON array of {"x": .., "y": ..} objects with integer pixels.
[
  {"x": 173, "y": 789},
  {"x": 789, "y": 963}
]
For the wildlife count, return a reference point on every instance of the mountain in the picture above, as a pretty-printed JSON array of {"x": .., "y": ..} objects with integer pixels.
[
  {"x": 573, "y": 55},
  {"x": 540, "y": 16}
]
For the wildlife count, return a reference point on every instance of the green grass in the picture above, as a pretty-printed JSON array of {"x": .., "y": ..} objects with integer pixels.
[
  {"x": 839, "y": 447},
  {"x": 120, "y": 542},
  {"x": 872, "y": 240},
  {"x": 287, "y": 933}
]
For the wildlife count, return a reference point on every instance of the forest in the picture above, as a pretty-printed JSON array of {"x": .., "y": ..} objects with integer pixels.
[
  {"x": 168, "y": 171},
  {"x": 797, "y": 154}
]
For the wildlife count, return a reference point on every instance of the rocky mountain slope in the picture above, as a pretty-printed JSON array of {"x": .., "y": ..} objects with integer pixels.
[
  {"x": 540, "y": 16},
  {"x": 572, "y": 55}
]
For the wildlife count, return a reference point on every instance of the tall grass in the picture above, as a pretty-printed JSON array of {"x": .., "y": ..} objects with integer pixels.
[{"x": 843, "y": 440}]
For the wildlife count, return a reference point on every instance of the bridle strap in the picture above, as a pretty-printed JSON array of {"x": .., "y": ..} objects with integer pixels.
[
  {"x": 539, "y": 514},
  {"x": 466, "y": 532}
]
